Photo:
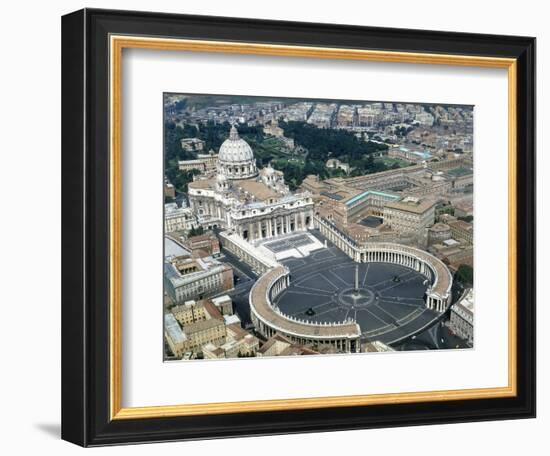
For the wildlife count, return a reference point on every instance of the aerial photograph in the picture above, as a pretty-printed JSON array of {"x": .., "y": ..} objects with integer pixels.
[{"x": 315, "y": 226}]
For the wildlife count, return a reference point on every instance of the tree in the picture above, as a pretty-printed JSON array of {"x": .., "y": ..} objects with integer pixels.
[
  {"x": 465, "y": 274},
  {"x": 180, "y": 179},
  {"x": 323, "y": 143},
  {"x": 173, "y": 134},
  {"x": 196, "y": 231}
]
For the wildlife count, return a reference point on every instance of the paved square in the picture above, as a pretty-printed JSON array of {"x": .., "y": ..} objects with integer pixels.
[{"x": 388, "y": 303}]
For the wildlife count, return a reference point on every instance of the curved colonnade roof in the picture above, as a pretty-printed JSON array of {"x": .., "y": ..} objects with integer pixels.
[
  {"x": 261, "y": 305},
  {"x": 443, "y": 282}
]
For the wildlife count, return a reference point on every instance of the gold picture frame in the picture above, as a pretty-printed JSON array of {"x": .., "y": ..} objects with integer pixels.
[{"x": 117, "y": 46}]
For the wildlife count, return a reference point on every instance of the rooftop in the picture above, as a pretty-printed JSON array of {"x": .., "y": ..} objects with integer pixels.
[
  {"x": 201, "y": 238},
  {"x": 231, "y": 319},
  {"x": 368, "y": 193},
  {"x": 462, "y": 225},
  {"x": 236, "y": 331},
  {"x": 173, "y": 329},
  {"x": 204, "y": 267},
  {"x": 259, "y": 190},
  {"x": 440, "y": 227},
  {"x": 201, "y": 184},
  {"x": 221, "y": 299},
  {"x": 202, "y": 325},
  {"x": 414, "y": 205},
  {"x": 212, "y": 310}
]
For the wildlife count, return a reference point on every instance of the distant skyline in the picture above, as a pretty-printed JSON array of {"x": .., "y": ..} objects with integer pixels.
[{"x": 220, "y": 99}]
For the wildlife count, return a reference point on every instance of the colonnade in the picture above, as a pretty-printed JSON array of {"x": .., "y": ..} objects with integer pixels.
[
  {"x": 269, "y": 320},
  {"x": 434, "y": 302},
  {"x": 438, "y": 294},
  {"x": 238, "y": 171},
  {"x": 339, "y": 239},
  {"x": 351, "y": 345},
  {"x": 404, "y": 259},
  {"x": 279, "y": 285}
]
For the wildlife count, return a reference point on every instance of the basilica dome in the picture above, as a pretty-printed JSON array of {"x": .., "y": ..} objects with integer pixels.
[
  {"x": 235, "y": 158},
  {"x": 235, "y": 149}
]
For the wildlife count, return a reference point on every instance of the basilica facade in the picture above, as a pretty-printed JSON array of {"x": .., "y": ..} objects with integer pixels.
[{"x": 255, "y": 204}]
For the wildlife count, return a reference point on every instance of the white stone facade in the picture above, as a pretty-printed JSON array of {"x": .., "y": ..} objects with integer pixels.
[
  {"x": 178, "y": 219},
  {"x": 462, "y": 316},
  {"x": 254, "y": 205}
]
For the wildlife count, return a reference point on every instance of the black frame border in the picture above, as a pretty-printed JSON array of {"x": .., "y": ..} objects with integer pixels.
[{"x": 85, "y": 227}]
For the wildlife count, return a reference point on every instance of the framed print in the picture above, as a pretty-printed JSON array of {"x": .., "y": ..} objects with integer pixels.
[{"x": 277, "y": 227}]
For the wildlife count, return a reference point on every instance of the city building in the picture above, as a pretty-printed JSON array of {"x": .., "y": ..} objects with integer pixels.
[
  {"x": 203, "y": 163},
  {"x": 238, "y": 343},
  {"x": 462, "y": 316},
  {"x": 425, "y": 119},
  {"x": 411, "y": 214},
  {"x": 462, "y": 231},
  {"x": 178, "y": 218},
  {"x": 438, "y": 233},
  {"x": 192, "y": 144},
  {"x": 345, "y": 116},
  {"x": 278, "y": 345},
  {"x": 203, "y": 332},
  {"x": 408, "y": 154},
  {"x": 334, "y": 163},
  {"x": 273, "y": 129},
  {"x": 224, "y": 304},
  {"x": 423, "y": 179},
  {"x": 189, "y": 312},
  {"x": 323, "y": 115},
  {"x": 464, "y": 208},
  {"x": 174, "y": 336},
  {"x": 212, "y": 351},
  {"x": 203, "y": 245},
  {"x": 169, "y": 189},
  {"x": 454, "y": 253},
  {"x": 188, "y": 278}
]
